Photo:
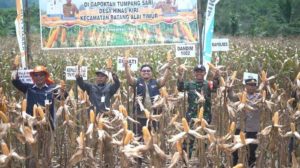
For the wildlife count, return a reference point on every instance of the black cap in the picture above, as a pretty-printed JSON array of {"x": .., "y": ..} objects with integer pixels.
[
  {"x": 199, "y": 67},
  {"x": 102, "y": 71},
  {"x": 250, "y": 81}
]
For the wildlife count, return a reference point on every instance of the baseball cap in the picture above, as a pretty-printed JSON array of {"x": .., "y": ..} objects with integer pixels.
[{"x": 199, "y": 67}]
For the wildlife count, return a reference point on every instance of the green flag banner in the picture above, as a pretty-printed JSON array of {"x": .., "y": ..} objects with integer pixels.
[{"x": 117, "y": 23}]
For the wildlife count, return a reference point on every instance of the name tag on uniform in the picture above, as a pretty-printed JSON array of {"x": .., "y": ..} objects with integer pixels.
[
  {"x": 102, "y": 99},
  {"x": 46, "y": 101}
]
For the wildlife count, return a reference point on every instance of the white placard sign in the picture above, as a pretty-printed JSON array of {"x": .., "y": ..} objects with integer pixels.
[
  {"x": 183, "y": 50},
  {"x": 72, "y": 70},
  {"x": 132, "y": 62},
  {"x": 220, "y": 44},
  {"x": 24, "y": 75},
  {"x": 248, "y": 75}
]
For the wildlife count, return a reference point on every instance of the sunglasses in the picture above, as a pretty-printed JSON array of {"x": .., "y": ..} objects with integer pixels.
[
  {"x": 39, "y": 75},
  {"x": 148, "y": 70},
  {"x": 251, "y": 84}
]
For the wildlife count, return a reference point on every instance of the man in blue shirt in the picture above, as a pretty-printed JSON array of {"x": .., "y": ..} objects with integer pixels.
[{"x": 42, "y": 92}]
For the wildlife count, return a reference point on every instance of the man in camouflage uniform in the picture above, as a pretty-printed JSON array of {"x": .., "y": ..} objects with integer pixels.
[
  {"x": 198, "y": 86},
  {"x": 199, "y": 94}
]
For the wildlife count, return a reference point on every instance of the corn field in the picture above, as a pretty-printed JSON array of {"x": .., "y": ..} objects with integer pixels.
[{"x": 107, "y": 140}]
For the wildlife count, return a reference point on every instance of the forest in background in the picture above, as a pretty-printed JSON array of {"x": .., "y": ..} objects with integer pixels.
[{"x": 233, "y": 17}]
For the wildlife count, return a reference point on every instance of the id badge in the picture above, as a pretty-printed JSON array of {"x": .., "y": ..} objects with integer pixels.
[
  {"x": 46, "y": 101},
  {"x": 102, "y": 99}
]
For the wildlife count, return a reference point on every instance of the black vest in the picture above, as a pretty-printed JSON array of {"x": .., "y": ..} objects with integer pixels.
[{"x": 152, "y": 85}]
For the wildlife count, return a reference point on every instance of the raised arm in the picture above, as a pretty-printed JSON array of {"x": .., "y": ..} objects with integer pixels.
[
  {"x": 180, "y": 82},
  {"x": 18, "y": 83},
  {"x": 114, "y": 87},
  {"x": 162, "y": 81},
  {"x": 164, "y": 78},
  {"x": 216, "y": 80},
  {"x": 130, "y": 79},
  {"x": 83, "y": 85}
]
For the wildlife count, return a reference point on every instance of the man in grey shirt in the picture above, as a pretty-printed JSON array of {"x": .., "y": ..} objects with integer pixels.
[{"x": 101, "y": 92}]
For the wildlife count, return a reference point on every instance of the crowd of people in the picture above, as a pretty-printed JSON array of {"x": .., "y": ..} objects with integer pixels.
[{"x": 43, "y": 92}]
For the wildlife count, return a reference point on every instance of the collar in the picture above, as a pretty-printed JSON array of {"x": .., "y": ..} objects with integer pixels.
[
  {"x": 35, "y": 86},
  {"x": 102, "y": 84}
]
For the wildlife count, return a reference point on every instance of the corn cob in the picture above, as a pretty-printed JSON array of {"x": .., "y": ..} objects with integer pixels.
[
  {"x": 179, "y": 146},
  {"x": 123, "y": 110},
  {"x": 263, "y": 76},
  {"x": 146, "y": 135},
  {"x": 3, "y": 106},
  {"x": 243, "y": 137},
  {"x": 200, "y": 113},
  {"x": 185, "y": 29},
  {"x": 222, "y": 82},
  {"x": 240, "y": 165},
  {"x": 66, "y": 116},
  {"x": 176, "y": 30},
  {"x": 169, "y": 55},
  {"x": 293, "y": 127},
  {"x": 125, "y": 125},
  {"x": 128, "y": 138},
  {"x": 174, "y": 118},
  {"x": 109, "y": 63},
  {"x": 24, "y": 105},
  {"x": 4, "y": 148},
  {"x": 232, "y": 127},
  {"x": 211, "y": 138},
  {"x": 100, "y": 124},
  {"x": 92, "y": 116},
  {"x": 243, "y": 97},
  {"x": 80, "y": 61},
  {"x": 34, "y": 110},
  {"x": 275, "y": 118},
  {"x": 52, "y": 38},
  {"x": 203, "y": 124},
  {"x": 3, "y": 117},
  {"x": 164, "y": 92},
  {"x": 147, "y": 113},
  {"x": 233, "y": 76},
  {"x": 185, "y": 125},
  {"x": 298, "y": 76},
  {"x": 40, "y": 112},
  {"x": 17, "y": 61},
  {"x": 127, "y": 53},
  {"x": 63, "y": 35},
  {"x": 79, "y": 37},
  {"x": 211, "y": 66}
]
